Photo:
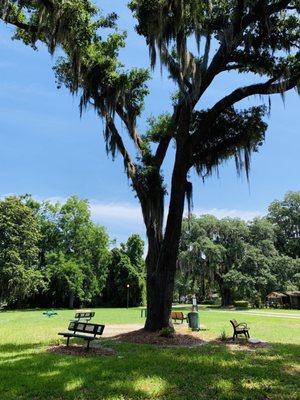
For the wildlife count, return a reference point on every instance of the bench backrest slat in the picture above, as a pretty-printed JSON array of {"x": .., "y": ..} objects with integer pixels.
[
  {"x": 234, "y": 323},
  {"x": 86, "y": 327},
  {"x": 89, "y": 314},
  {"x": 177, "y": 314}
]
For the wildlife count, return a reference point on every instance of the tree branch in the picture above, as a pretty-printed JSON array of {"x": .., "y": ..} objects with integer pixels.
[
  {"x": 267, "y": 88},
  {"x": 258, "y": 12},
  {"x": 232, "y": 67},
  {"x": 161, "y": 150},
  {"x": 175, "y": 69},
  {"x": 206, "y": 52},
  {"x": 213, "y": 155},
  {"x": 20, "y": 25},
  {"x": 48, "y": 4},
  {"x": 131, "y": 129},
  {"x": 128, "y": 163},
  {"x": 240, "y": 24},
  {"x": 163, "y": 145}
]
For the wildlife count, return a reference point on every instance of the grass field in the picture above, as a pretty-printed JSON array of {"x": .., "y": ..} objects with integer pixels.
[{"x": 212, "y": 371}]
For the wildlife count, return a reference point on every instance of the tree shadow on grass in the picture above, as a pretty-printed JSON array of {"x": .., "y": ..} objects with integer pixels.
[{"x": 145, "y": 372}]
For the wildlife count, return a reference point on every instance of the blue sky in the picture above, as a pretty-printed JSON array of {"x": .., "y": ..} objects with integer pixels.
[{"x": 48, "y": 151}]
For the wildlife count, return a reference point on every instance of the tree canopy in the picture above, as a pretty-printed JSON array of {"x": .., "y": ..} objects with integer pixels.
[{"x": 286, "y": 217}]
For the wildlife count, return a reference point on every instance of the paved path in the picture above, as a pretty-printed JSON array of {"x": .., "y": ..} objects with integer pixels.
[
  {"x": 246, "y": 312},
  {"x": 112, "y": 330},
  {"x": 260, "y": 314}
]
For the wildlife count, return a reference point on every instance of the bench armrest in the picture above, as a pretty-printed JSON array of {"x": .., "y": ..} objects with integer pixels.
[{"x": 242, "y": 324}]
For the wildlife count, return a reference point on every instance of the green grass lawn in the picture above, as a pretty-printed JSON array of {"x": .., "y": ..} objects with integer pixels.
[{"x": 212, "y": 372}]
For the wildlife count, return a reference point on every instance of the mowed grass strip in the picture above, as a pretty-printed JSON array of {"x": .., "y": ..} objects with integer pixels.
[{"x": 211, "y": 372}]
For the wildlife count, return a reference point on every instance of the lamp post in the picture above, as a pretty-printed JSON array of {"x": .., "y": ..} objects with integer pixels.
[
  {"x": 203, "y": 257},
  {"x": 127, "y": 295},
  {"x": 194, "y": 303}
]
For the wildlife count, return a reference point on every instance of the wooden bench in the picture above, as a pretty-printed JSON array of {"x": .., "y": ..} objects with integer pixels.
[
  {"x": 178, "y": 315},
  {"x": 83, "y": 315},
  {"x": 239, "y": 329},
  {"x": 83, "y": 330}
]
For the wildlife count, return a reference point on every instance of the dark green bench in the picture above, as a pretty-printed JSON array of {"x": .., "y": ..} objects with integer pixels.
[
  {"x": 83, "y": 330},
  {"x": 239, "y": 329},
  {"x": 83, "y": 315}
]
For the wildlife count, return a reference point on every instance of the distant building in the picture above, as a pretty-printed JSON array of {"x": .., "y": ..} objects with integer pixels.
[
  {"x": 284, "y": 300},
  {"x": 294, "y": 299}
]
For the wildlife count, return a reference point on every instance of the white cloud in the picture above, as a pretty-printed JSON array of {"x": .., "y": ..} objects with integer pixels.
[
  {"x": 131, "y": 214},
  {"x": 122, "y": 212},
  {"x": 246, "y": 215},
  {"x": 121, "y": 219},
  {"x": 125, "y": 212}
]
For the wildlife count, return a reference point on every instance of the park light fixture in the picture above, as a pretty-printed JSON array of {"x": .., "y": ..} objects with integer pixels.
[{"x": 127, "y": 304}]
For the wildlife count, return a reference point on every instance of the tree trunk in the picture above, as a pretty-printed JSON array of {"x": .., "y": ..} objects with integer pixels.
[
  {"x": 71, "y": 300},
  {"x": 226, "y": 295},
  {"x": 203, "y": 289},
  {"x": 161, "y": 261}
]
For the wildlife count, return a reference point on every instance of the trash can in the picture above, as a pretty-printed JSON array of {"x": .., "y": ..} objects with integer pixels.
[{"x": 193, "y": 319}]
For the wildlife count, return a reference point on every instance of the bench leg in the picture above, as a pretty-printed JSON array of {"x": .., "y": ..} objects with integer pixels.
[
  {"x": 68, "y": 341},
  {"x": 88, "y": 345}
]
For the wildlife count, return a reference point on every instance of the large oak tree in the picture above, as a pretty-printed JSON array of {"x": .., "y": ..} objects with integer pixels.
[{"x": 256, "y": 37}]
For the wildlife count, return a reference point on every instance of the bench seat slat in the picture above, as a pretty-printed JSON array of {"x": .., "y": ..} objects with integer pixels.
[
  {"x": 67, "y": 334},
  {"x": 83, "y": 330},
  {"x": 178, "y": 315}
]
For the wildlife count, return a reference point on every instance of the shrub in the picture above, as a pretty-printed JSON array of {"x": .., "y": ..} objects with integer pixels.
[
  {"x": 167, "y": 332},
  {"x": 223, "y": 336},
  {"x": 208, "y": 302},
  {"x": 241, "y": 304}
]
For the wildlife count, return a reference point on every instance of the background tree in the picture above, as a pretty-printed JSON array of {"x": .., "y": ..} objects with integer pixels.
[
  {"x": 80, "y": 244},
  {"x": 238, "y": 260},
  {"x": 66, "y": 280},
  {"x": 285, "y": 215},
  {"x": 259, "y": 37},
  {"x": 74, "y": 222},
  {"x": 123, "y": 273},
  {"x": 287, "y": 272},
  {"x": 50, "y": 240},
  {"x": 199, "y": 256},
  {"x": 68, "y": 237},
  {"x": 19, "y": 238},
  {"x": 134, "y": 248},
  {"x": 98, "y": 256}
]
